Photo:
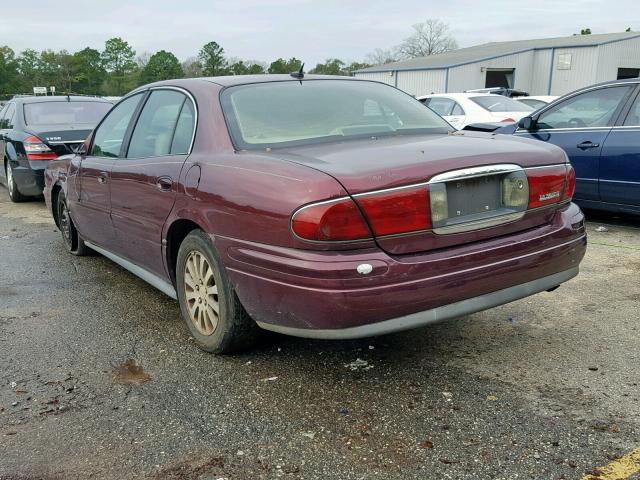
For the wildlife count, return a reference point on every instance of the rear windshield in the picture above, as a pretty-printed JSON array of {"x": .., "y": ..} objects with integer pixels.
[
  {"x": 312, "y": 111},
  {"x": 61, "y": 113},
  {"x": 498, "y": 103}
]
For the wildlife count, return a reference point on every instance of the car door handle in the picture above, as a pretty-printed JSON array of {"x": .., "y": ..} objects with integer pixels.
[
  {"x": 587, "y": 145},
  {"x": 164, "y": 184},
  {"x": 102, "y": 177}
]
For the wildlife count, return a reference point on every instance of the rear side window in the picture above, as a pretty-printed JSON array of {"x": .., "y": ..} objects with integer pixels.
[
  {"x": 590, "y": 109},
  {"x": 153, "y": 135},
  {"x": 7, "y": 118},
  {"x": 442, "y": 106},
  {"x": 65, "y": 113},
  {"x": 109, "y": 136},
  {"x": 498, "y": 103},
  {"x": 184, "y": 130}
]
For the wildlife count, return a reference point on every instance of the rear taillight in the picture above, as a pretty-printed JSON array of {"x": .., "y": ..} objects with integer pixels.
[
  {"x": 396, "y": 211},
  {"x": 336, "y": 221},
  {"x": 36, "y": 149},
  {"x": 548, "y": 185},
  {"x": 510, "y": 120}
]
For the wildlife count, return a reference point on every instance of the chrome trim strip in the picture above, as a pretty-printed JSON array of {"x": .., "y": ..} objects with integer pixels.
[
  {"x": 195, "y": 109},
  {"x": 446, "y": 312},
  {"x": 62, "y": 142},
  {"x": 151, "y": 278},
  {"x": 473, "y": 172},
  {"x": 562, "y": 130}
]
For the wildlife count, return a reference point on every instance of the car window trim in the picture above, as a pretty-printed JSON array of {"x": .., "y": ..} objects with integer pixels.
[
  {"x": 129, "y": 133},
  {"x": 95, "y": 130}
]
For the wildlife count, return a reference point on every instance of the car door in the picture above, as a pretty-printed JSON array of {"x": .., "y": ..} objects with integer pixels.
[
  {"x": 91, "y": 209},
  {"x": 580, "y": 124},
  {"x": 620, "y": 161},
  {"x": 144, "y": 183}
]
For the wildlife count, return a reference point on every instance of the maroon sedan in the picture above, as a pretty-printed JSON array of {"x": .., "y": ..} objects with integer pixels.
[{"x": 321, "y": 207}]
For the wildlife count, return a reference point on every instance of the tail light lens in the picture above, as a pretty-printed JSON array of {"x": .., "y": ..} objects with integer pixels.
[
  {"x": 336, "y": 221},
  {"x": 36, "y": 149},
  {"x": 510, "y": 120},
  {"x": 397, "y": 211},
  {"x": 548, "y": 185}
]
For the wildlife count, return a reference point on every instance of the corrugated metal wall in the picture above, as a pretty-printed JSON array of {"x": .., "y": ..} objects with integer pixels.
[
  {"x": 617, "y": 55},
  {"x": 471, "y": 76},
  {"x": 422, "y": 82},
  {"x": 540, "y": 73},
  {"x": 584, "y": 63},
  {"x": 378, "y": 77}
]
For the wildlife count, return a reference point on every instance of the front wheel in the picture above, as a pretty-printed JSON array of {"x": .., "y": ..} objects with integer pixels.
[
  {"x": 209, "y": 306},
  {"x": 14, "y": 194},
  {"x": 73, "y": 242}
]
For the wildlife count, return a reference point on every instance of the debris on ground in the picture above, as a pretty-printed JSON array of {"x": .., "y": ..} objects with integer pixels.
[
  {"x": 130, "y": 373},
  {"x": 447, "y": 395},
  {"x": 602, "y": 229},
  {"x": 309, "y": 435},
  {"x": 492, "y": 398},
  {"x": 426, "y": 444},
  {"x": 358, "y": 364}
]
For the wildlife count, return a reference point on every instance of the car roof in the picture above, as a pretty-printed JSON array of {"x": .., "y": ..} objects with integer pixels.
[
  {"x": 58, "y": 98},
  {"x": 460, "y": 95}
]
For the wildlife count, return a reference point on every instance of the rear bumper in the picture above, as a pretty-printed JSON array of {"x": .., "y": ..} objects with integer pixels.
[
  {"x": 321, "y": 295},
  {"x": 30, "y": 182}
]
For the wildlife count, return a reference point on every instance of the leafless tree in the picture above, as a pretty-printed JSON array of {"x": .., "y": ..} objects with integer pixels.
[
  {"x": 143, "y": 59},
  {"x": 429, "y": 38},
  {"x": 381, "y": 56},
  {"x": 192, "y": 67}
]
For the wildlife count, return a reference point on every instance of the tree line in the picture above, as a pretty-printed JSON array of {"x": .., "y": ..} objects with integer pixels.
[{"x": 117, "y": 68}]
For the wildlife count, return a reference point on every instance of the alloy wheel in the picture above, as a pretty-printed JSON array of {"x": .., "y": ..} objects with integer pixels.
[
  {"x": 201, "y": 293},
  {"x": 65, "y": 224},
  {"x": 10, "y": 179}
]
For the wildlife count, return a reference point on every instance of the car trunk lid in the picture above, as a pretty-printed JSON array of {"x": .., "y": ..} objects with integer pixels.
[
  {"x": 467, "y": 168},
  {"x": 62, "y": 139}
]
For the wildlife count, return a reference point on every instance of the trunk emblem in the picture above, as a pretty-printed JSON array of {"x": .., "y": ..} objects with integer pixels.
[{"x": 549, "y": 196}]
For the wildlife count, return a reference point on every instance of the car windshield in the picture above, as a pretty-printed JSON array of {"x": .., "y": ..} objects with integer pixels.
[
  {"x": 63, "y": 112},
  {"x": 498, "y": 103},
  {"x": 311, "y": 111}
]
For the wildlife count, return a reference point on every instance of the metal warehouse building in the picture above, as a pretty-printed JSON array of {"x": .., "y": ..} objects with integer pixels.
[{"x": 548, "y": 66}]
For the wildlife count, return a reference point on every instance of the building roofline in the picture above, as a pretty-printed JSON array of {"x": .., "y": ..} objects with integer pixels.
[{"x": 382, "y": 69}]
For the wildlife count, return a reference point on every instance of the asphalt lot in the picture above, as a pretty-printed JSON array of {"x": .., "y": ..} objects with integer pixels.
[{"x": 544, "y": 388}]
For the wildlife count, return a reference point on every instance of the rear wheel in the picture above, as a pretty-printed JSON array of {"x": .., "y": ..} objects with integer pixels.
[
  {"x": 209, "y": 306},
  {"x": 14, "y": 194},
  {"x": 73, "y": 242}
]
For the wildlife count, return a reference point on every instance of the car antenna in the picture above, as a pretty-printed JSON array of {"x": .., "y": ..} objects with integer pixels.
[{"x": 299, "y": 74}]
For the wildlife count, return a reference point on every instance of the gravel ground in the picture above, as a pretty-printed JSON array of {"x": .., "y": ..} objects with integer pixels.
[{"x": 99, "y": 379}]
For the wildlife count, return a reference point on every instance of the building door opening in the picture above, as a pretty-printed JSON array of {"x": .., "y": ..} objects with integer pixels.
[
  {"x": 628, "y": 73},
  {"x": 499, "y": 78}
]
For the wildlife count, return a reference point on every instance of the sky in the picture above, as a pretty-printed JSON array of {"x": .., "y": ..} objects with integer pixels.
[{"x": 309, "y": 30}]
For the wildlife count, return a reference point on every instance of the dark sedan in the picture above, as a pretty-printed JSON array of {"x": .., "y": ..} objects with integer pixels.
[
  {"x": 599, "y": 129},
  {"x": 35, "y": 130},
  {"x": 323, "y": 207}
]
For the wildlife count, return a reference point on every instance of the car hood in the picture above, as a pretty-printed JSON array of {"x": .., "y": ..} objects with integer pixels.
[{"x": 371, "y": 164}]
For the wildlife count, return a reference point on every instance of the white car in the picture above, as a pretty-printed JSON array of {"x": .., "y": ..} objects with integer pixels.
[
  {"x": 461, "y": 109},
  {"x": 536, "y": 101}
]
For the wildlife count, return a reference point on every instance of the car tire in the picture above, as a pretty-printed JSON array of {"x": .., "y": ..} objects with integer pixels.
[
  {"x": 14, "y": 193},
  {"x": 73, "y": 242},
  {"x": 204, "y": 287}
]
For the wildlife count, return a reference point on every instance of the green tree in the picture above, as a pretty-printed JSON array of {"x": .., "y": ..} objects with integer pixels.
[
  {"x": 628, "y": 29},
  {"x": 211, "y": 57},
  {"x": 9, "y": 75},
  {"x": 585, "y": 31},
  {"x": 240, "y": 67},
  {"x": 29, "y": 68},
  {"x": 118, "y": 59},
  {"x": 353, "y": 66},
  {"x": 162, "y": 65},
  {"x": 89, "y": 72},
  {"x": 285, "y": 66},
  {"x": 332, "y": 66}
]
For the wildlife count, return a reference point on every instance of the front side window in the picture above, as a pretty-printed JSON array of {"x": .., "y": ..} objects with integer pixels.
[
  {"x": 109, "y": 136},
  {"x": 292, "y": 113},
  {"x": 498, "y": 103},
  {"x": 65, "y": 113},
  {"x": 153, "y": 135},
  {"x": 590, "y": 109}
]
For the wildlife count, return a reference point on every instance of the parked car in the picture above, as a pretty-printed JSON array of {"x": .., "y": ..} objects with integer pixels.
[
  {"x": 536, "y": 101},
  {"x": 35, "y": 130},
  {"x": 599, "y": 129},
  {"x": 324, "y": 207},
  {"x": 505, "y": 91},
  {"x": 461, "y": 109}
]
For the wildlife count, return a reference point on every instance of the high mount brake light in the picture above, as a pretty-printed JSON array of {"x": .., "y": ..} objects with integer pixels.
[
  {"x": 36, "y": 149},
  {"x": 549, "y": 185}
]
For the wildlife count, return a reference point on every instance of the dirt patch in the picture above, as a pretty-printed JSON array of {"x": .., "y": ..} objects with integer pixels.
[{"x": 130, "y": 373}]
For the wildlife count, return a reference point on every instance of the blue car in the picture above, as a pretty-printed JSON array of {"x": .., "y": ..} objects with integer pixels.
[{"x": 599, "y": 128}]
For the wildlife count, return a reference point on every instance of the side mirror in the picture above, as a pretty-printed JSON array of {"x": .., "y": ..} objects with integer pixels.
[{"x": 527, "y": 123}]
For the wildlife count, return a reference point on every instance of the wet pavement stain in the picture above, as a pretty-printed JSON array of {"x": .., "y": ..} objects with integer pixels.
[{"x": 130, "y": 373}]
